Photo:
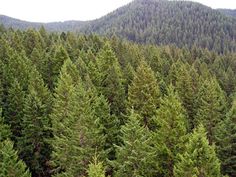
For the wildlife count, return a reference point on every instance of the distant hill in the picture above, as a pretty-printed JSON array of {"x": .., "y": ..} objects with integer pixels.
[
  {"x": 164, "y": 22},
  {"x": 161, "y": 22},
  {"x": 228, "y": 12},
  {"x": 54, "y": 26}
]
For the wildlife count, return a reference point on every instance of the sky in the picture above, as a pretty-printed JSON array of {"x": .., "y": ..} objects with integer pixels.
[{"x": 62, "y": 10}]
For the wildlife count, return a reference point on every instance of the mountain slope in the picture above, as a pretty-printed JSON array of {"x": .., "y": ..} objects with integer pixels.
[
  {"x": 54, "y": 26},
  {"x": 169, "y": 22},
  {"x": 228, "y": 12},
  {"x": 161, "y": 22}
]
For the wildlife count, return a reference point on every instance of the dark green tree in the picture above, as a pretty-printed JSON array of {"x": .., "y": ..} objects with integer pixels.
[
  {"x": 110, "y": 79},
  {"x": 15, "y": 108},
  {"x": 199, "y": 158},
  {"x": 144, "y": 94},
  {"x": 10, "y": 165},
  {"x": 172, "y": 129},
  {"x": 78, "y": 133},
  {"x": 135, "y": 156},
  {"x": 211, "y": 106},
  {"x": 33, "y": 145},
  {"x": 225, "y": 136}
]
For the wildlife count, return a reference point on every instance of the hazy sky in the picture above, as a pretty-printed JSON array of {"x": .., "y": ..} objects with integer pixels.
[{"x": 61, "y": 10}]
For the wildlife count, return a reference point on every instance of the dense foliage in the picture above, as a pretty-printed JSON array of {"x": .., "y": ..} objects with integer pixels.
[
  {"x": 162, "y": 22},
  {"x": 75, "y": 105}
]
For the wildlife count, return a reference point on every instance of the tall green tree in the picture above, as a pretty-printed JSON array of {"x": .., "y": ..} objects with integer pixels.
[
  {"x": 14, "y": 112},
  {"x": 33, "y": 144},
  {"x": 135, "y": 156},
  {"x": 225, "y": 136},
  {"x": 5, "y": 131},
  {"x": 10, "y": 165},
  {"x": 144, "y": 94},
  {"x": 110, "y": 79},
  {"x": 211, "y": 106},
  {"x": 77, "y": 131},
  {"x": 172, "y": 129},
  {"x": 199, "y": 158}
]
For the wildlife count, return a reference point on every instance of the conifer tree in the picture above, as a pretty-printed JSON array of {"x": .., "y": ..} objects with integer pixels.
[
  {"x": 211, "y": 106},
  {"x": 33, "y": 144},
  {"x": 77, "y": 131},
  {"x": 96, "y": 169},
  {"x": 110, "y": 79},
  {"x": 15, "y": 108},
  {"x": 5, "y": 131},
  {"x": 136, "y": 155},
  {"x": 187, "y": 88},
  {"x": 10, "y": 165},
  {"x": 225, "y": 136},
  {"x": 143, "y": 94},
  {"x": 172, "y": 129},
  {"x": 199, "y": 158}
]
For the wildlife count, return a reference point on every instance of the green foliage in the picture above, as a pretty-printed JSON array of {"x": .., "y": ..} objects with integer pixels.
[
  {"x": 77, "y": 131},
  {"x": 199, "y": 158},
  {"x": 211, "y": 106},
  {"x": 226, "y": 142},
  {"x": 143, "y": 94},
  {"x": 5, "y": 131},
  {"x": 14, "y": 112},
  {"x": 172, "y": 130},
  {"x": 96, "y": 169},
  {"x": 10, "y": 164},
  {"x": 110, "y": 79},
  {"x": 136, "y": 155},
  {"x": 33, "y": 146}
]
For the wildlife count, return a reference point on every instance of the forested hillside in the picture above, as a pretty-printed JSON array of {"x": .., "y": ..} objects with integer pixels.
[
  {"x": 75, "y": 105},
  {"x": 228, "y": 12},
  {"x": 162, "y": 22},
  {"x": 53, "y": 26}
]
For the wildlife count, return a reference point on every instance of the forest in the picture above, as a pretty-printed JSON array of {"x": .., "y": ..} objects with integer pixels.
[
  {"x": 82, "y": 105},
  {"x": 159, "y": 22}
]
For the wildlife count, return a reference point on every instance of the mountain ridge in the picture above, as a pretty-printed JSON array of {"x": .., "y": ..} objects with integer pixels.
[{"x": 161, "y": 22}]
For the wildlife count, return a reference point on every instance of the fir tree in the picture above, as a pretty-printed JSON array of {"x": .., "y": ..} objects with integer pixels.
[
  {"x": 33, "y": 144},
  {"x": 96, "y": 169},
  {"x": 10, "y": 165},
  {"x": 143, "y": 94},
  {"x": 199, "y": 158},
  {"x": 15, "y": 108},
  {"x": 110, "y": 79},
  {"x": 5, "y": 131},
  {"x": 225, "y": 136},
  {"x": 211, "y": 106},
  {"x": 172, "y": 129},
  {"x": 77, "y": 131},
  {"x": 135, "y": 156}
]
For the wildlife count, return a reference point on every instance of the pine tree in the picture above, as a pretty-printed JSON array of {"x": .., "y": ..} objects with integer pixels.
[
  {"x": 33, "y": 144},
  {"x": 143, "y": 94},
  {"x": 110, "y": 79},
  {"x": 225, "y": 136},
  {"x": 109, "y": 122},
  {"x": 96, "y": 169},
  {"x": 187, "y": 88},
  {"x": 14, "y": 112},
  {"x": 136, "y": 155},
  {"x": 172, "y": 129},
  {"x": 211, "y": 106},
  {"x": 199, "y": 158},
  {"x": 5, "y": 131},
  {"x": 77, "y": 131},
  {"x": 10, "y": 165}
]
